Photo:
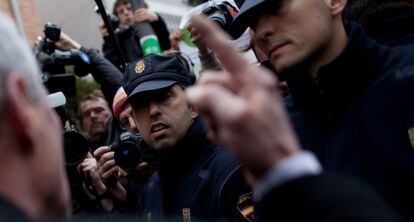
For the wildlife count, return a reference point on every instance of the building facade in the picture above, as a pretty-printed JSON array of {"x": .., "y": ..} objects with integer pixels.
[{"x": 25, "y": 15}]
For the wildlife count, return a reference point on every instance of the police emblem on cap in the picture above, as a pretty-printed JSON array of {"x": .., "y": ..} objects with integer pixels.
[
  {"x": 411, "y": 136},
  {"x": 139, "y": 67}
]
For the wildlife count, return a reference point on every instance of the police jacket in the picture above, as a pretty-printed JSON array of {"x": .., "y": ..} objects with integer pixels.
[
  {"x": 327, "y": 197},
  {"x": 10, "y": 212},
  {"x": 130, "y": 45},
  {"x": 358, "y": 116},
  {"x": 197, "y": 179},
  {"x": 394, "y": 28}
]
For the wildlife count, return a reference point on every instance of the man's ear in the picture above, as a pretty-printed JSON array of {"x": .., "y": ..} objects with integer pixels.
[
  {"x": 17, "y": 112},
  {"x": 337, "y": 6},
  {"x": 194, "y": 112}
]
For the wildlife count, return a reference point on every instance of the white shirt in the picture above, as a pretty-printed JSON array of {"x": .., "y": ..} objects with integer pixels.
[{"x": 298, "y": 165}]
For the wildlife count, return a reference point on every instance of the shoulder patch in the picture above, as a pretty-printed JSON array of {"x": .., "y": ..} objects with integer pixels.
[{"x": 245, "y": 206}]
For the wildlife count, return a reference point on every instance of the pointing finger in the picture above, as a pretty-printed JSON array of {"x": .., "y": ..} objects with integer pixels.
[{"x": 218, "y": 41}]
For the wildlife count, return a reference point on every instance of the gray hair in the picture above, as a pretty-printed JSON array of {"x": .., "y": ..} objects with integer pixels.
[{"x": 16, "y": 57}]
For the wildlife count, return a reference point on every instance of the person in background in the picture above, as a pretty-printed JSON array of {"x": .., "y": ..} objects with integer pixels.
[{"x": 128, "y": 39}]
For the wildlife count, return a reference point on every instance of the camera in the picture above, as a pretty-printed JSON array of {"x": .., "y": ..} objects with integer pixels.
[
  {"x": 223, "y": 14},
  {"x": 76, "y": 144},
  {"x": 55, "y": 62},
  {"x": 129, "y": 152},
  {"x": 76, "y": 147}
]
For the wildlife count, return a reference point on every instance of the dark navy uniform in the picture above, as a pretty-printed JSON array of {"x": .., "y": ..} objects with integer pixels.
[
  {"x": 198, "y": 178},
  {"x": 10, "y": 212},
  {"x": 195, "y": 178},
  {"x": 394, "y": 28},
  {"x": 358, "y": 116}
]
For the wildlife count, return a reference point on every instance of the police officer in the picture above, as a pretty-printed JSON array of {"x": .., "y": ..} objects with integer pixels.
[
  {"x": 350, "y": 98},
  {"x": 195, "y": 178}
]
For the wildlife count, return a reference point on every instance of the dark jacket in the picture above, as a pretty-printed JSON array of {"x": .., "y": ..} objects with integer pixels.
[
  {"x": 129, "y": 43},
  {"x": 357, "y": 116},
  {"x": 109, "y": 78},
  {"x": 394, "y": 28},
  {"x": 327, "y": 198},
  {"x": 198, "y": 175},
  {"x": 9, "y": 212},
  {"x": 105, "y": 74}
]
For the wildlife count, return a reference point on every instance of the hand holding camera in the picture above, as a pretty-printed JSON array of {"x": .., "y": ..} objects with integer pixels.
[
  {"x": 89, "y": 169},
  {"x": 107, "y": 168},
  {"x": 66, "y": 43}
]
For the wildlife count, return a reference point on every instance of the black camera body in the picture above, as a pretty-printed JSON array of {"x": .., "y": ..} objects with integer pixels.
[
  {"x": 130, "y": 152},
  {"x": 223, "y": 14},
  {"x": 54, "y": 62},
  {"x": 76, "y": 147}
]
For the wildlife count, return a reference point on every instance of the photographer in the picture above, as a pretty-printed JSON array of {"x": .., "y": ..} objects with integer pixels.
[
  {"x": 122, "y": 111},
  {"x": 102, "y": 70},
  {"x": 127, "y": 36},
  {"x": 97, "y": 117},
  {"x": 103, "y": 129}
]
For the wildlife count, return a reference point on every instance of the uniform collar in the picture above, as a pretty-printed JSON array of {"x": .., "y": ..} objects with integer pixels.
[
  {"x": 391, "y": 27},
  {"x": 356, "y": 67},
  {"x": 190, "y": 149}
]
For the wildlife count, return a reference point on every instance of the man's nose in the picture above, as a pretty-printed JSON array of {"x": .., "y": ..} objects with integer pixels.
[
  {"x": 153, "y": 109},
  {"x": 263, "y": 29},
  {"x": 93, "y": 115}
]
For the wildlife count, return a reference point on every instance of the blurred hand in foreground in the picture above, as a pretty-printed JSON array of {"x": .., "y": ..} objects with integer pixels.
[{"x": 242, "y": 106}]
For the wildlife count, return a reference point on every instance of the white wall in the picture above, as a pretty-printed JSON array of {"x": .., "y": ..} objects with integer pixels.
[{"x": 76, "y": 17}]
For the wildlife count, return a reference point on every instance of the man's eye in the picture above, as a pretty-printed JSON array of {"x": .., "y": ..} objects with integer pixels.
[
  {"x": 124, "y": 121},
  {"x": 139, "y": 104},
  {"x": 163, "y": 97},
  {"x": 168, "y": 95},
  {"x": 86, "y": 114},
  {"x": 98, "y": 110}
]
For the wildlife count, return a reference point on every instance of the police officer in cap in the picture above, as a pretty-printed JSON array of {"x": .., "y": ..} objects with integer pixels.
[{"x": 194, "y": 177}]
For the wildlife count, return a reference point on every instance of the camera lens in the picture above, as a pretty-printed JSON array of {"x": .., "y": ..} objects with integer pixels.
[
  {"x": 127, "y": 155},
  {"x": 52, "y": 32},
  {"x": 218, "y": 18}
]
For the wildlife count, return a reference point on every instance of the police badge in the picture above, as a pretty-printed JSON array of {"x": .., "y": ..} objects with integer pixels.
[{"x": 139, "y": 67}]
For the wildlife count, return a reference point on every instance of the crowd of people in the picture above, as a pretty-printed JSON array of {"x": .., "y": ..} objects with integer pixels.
[{"x": 320, "y": 128}]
